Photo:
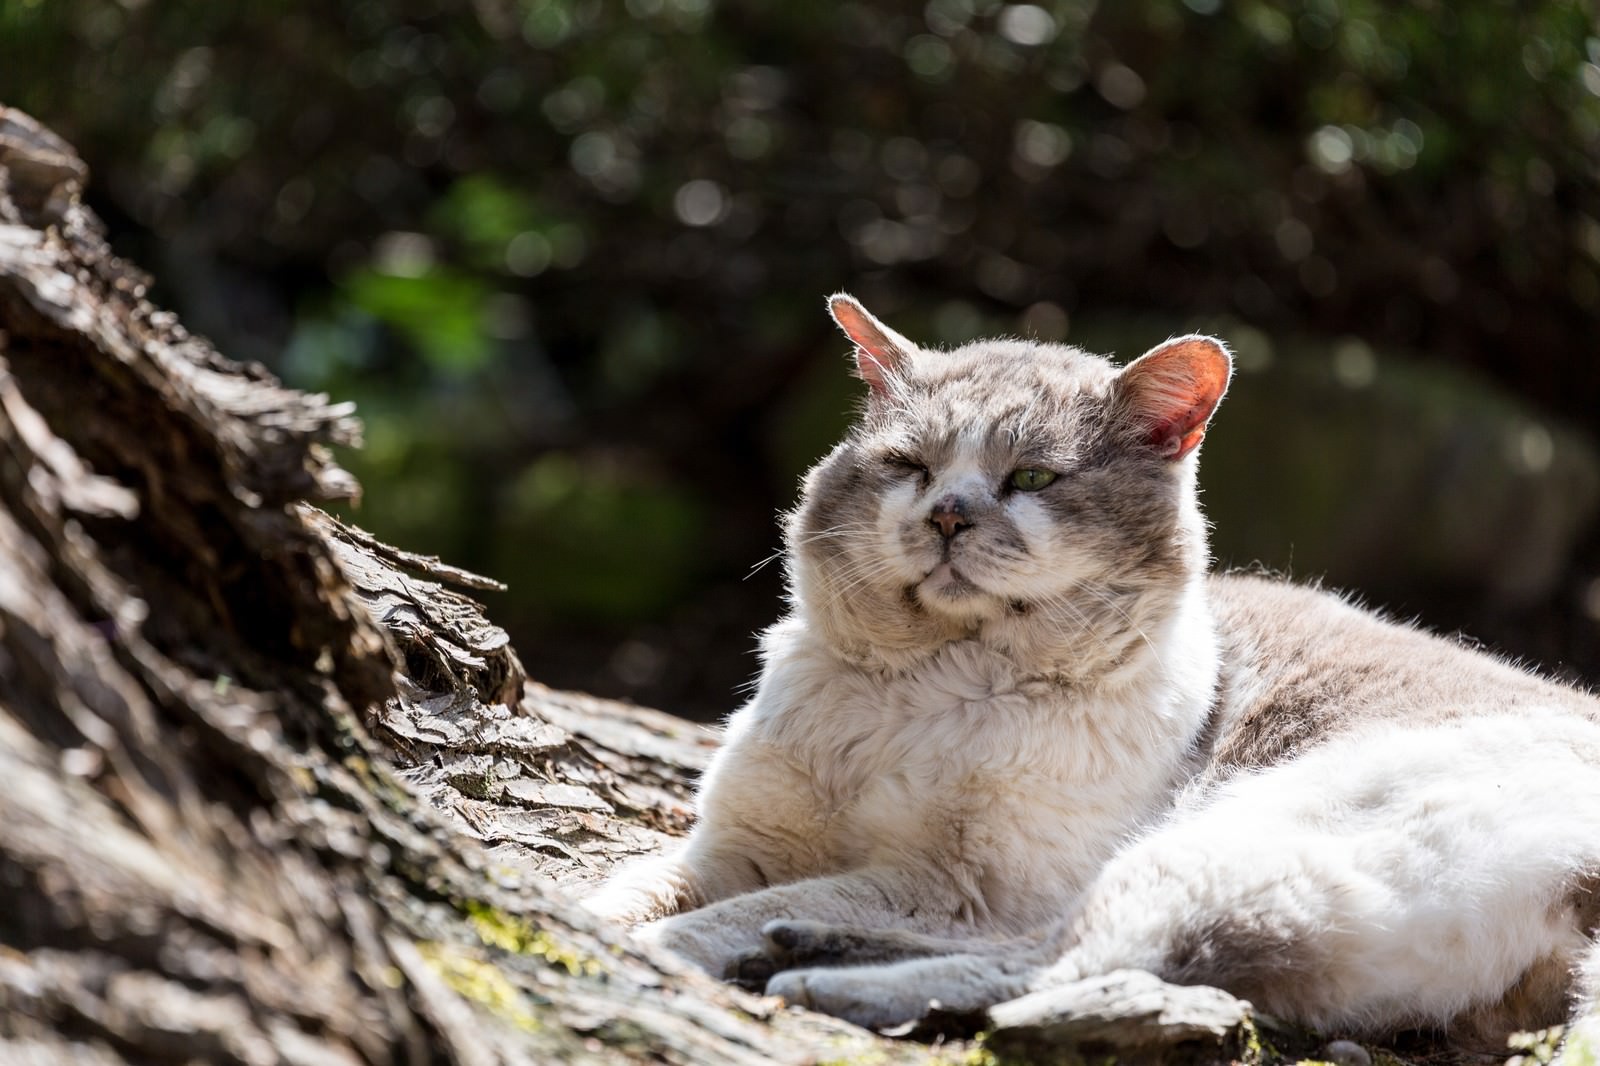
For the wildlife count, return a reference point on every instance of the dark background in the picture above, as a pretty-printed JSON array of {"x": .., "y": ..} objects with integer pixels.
[{"x": 569, "y": 257}]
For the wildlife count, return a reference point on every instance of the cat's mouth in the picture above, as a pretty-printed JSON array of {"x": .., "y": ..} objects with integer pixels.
[{"x": 948, "y": 583}]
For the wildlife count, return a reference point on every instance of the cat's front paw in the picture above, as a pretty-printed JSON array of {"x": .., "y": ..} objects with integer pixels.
[
  {"x": 795, "y": 944},
  {"x": 706, "y": 944},
  {"x": 624, "y": 904},
  {"x": 894, "y": 994},
  {"x": 753, "y": 970},
  {"x": 873, "y": 997}
]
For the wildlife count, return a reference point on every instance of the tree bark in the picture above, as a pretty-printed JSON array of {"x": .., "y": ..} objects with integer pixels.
[{"x": 273, "y": 792}]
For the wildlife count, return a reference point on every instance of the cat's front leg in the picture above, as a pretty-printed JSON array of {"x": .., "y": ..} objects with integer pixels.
[
  {"x": 800, "y": 944},
  {"x": 679, "y": 880},
  {"x": 719, "y": 937},
  {"x": 644, "y": 891}
]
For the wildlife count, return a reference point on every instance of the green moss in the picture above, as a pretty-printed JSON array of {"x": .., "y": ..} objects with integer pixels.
[
  {"x": 978, "y": 1055},
  {"x": 1251, "y": 1053},
  {"x": 479, "y": 981},
  {"x": 508, "y": 932}
]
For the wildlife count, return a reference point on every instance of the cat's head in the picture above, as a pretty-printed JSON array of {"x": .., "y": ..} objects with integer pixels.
[{"x": 1028, "y": 494}]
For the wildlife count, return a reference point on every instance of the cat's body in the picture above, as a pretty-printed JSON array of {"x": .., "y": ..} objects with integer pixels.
[{"x": 1012, "y": 734}]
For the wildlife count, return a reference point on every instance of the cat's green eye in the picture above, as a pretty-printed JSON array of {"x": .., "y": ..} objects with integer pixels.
[{"x": 1031, "y": 479}]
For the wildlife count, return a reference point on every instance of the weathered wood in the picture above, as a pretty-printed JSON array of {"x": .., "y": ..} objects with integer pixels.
[
  {"x": 272, "y": 792},
  {"x": 1128, "y": 1014}
]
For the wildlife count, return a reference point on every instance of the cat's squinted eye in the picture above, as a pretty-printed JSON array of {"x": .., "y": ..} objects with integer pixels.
[{"x": 904, "y": 464}]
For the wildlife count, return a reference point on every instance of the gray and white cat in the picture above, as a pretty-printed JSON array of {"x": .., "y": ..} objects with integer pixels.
[{"x": 1012, "y": 734}]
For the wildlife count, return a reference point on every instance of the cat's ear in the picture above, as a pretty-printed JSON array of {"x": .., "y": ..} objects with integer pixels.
[
  {"x": 879, "y": 349},
  {"x": 1169, "y": 393}
]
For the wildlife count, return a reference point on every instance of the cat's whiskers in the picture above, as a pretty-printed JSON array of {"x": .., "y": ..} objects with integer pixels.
[
  {"x": 1076, "y": 604},
  {"x": 832, "y": 531},
  {"x": 853, "y": 577},
  {"x": 1067, "y": 600},
  {"x": 1105, "y": 599},
  {"x": 756, "y": 569},
  {"x": 1063, "y": 603},
  {"x": 858, "y": 574},
  {"x": 846, "y": 529}
]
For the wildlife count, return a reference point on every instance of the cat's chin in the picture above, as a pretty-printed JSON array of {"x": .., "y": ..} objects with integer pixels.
[{"x": 946, "y": 590}]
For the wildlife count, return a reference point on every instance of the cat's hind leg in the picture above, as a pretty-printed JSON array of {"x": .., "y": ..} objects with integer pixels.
[
  {"x": 1420, "y": 878},
  {"x": 1424, "y": 878}
]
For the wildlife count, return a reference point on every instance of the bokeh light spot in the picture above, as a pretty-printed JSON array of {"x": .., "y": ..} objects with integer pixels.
[
  {"x": 700, "y": 202},
  {"x": 1121, "y": 86},
  {"x": 1027, "y": 24},
  {"x": 1331, "y": 149}
]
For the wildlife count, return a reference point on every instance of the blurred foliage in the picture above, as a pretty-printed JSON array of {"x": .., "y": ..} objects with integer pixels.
[{"x": 569, "y": 255}]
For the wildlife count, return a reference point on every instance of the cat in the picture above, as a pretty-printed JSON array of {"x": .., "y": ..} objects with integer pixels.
[{"x": 1013, "y": 733}]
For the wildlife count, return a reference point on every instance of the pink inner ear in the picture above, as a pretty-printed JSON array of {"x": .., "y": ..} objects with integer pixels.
[
  {"x": 876, "y": 355},
  {"x": 1174, "y": 389}
]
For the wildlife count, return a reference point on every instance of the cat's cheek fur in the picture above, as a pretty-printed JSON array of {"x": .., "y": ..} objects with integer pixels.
[
  {"x": 902, "y": 532},
  {"x": 1051, "y": 561},
  {"x": 1033, "y": 521}
]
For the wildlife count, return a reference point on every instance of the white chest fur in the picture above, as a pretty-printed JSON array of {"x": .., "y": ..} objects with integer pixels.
[{"x": 1009, "y": 791}]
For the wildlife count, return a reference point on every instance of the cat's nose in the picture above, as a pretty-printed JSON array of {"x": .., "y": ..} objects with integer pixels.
[{"x": 950, "y": 516}]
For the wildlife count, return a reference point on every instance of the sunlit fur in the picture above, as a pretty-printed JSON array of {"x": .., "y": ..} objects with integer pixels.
[{"x": 1051, "y": 745}]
